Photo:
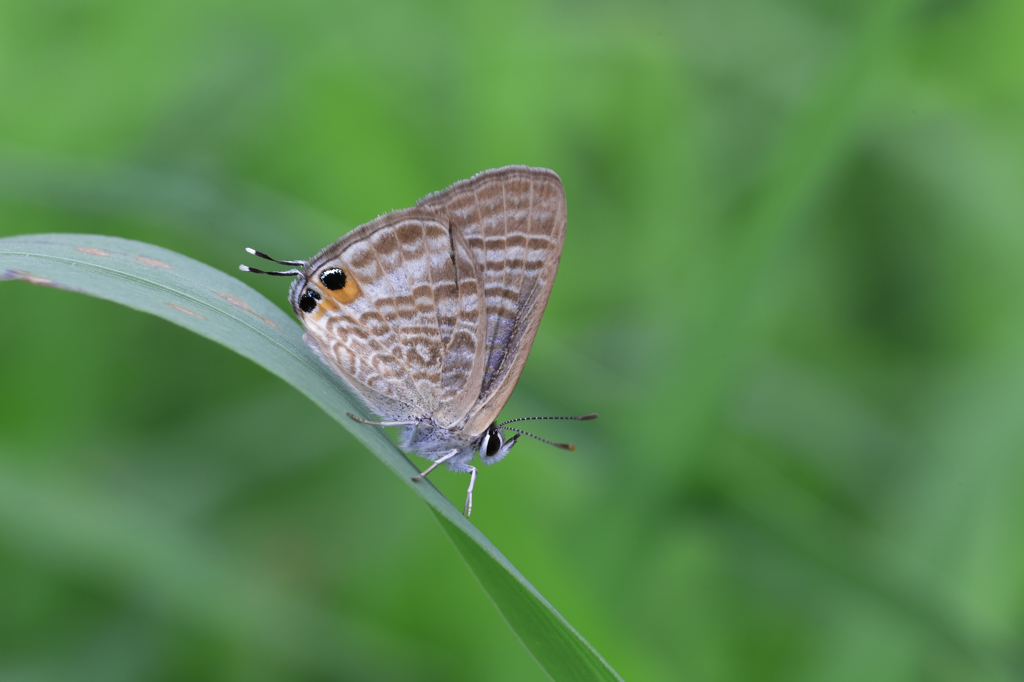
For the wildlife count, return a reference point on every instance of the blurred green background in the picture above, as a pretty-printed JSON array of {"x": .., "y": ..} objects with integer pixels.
[{"x": 792, "y": 285}]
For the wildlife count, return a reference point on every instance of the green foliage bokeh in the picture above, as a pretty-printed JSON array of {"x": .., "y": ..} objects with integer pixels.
[{"x": 791, "y": 286}]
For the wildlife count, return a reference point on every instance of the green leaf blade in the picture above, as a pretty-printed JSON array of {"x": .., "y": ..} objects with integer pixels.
[
  {"x": 210, "y": 303},
  {"x": 530, "y": 616}
]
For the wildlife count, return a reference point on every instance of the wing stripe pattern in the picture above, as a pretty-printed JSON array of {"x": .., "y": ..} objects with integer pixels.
[
  {"x": 449, "y": 297},
  {"x": 413, "y": 334},
  {"x": 514, "y": 220}
]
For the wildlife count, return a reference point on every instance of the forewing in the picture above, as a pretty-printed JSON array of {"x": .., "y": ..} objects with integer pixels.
[
  {"x": 407, "y": 326},
  {"x": 513, "y": 220}
]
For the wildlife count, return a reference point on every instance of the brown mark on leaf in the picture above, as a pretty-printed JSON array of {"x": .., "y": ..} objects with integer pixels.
[
  {"x": 90, "y": 250},
  {"x": 244, "y": 306},
  {"x": 185, "y": 310},
  {"x": 26, "y": 277},
  {"x": 152, "y": 262},
  {"x": 34, "y": 279}
]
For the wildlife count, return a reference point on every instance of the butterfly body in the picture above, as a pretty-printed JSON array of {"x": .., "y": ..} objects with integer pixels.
[{"x": 428, "y": 313}]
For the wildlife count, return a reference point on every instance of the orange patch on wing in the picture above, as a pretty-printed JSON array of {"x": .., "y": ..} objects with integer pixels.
[
  {"x": 331, "y": 301},
  {"x": 346, "y": 294},
  {"x": 152, "y": 262},
  {"x": 323, "y": 306},
  {"x": 94, "y": 252}
]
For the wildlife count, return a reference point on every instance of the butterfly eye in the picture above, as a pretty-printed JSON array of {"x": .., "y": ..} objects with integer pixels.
[
  {"x": 333, "y": 279},
  {"x": 307, "y": 303},
  {"x": 493, "y": 443}
]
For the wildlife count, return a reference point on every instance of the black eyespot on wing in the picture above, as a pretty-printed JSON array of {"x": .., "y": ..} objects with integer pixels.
[
  {"x": 307, "y": 303},
  {"x": 333, "y": 279}
]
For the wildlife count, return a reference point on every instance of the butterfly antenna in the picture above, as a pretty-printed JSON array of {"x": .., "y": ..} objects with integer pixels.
[
  {"x": 564, "y": 446},
  {"x": 264, "y": 256},
  {"x": 581, "y": 418}
]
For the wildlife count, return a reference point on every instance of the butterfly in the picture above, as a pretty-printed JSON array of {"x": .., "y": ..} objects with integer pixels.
[{"x": 428, "y": 313}]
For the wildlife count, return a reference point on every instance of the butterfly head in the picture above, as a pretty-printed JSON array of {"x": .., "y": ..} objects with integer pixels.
[{"x": 493, "y": 446}]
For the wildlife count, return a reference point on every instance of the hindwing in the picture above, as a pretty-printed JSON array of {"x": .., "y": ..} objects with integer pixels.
[
  {"x": 409, "y": 332},
  {"x": 441, "y": 301}
]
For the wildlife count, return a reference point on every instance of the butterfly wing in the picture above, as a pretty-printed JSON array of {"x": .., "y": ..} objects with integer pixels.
[
  {"x": 513, "y": 220},
  {"x": 407, "y": 329}
]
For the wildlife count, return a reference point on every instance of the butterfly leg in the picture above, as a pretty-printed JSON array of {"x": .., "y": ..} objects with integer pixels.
[
  {"x": 469, "y": 492},
  {"x": 440, "y": 460}
]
